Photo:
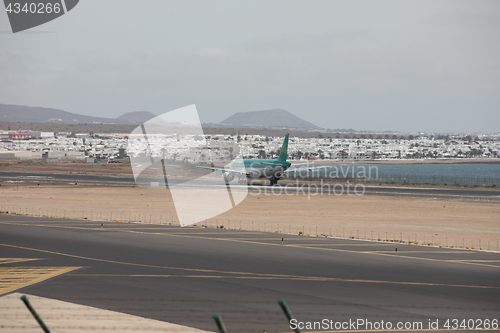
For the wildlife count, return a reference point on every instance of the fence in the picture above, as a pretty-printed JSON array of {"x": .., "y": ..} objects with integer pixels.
[{"x": 411, "y": 238}]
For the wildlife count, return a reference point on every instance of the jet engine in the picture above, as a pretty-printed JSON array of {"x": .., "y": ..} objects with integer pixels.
[
  {"x": 228, "y": 177},
  {"x": 254, "y": 174}
]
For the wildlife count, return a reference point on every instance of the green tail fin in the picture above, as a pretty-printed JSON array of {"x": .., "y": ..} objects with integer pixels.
[{"x": 284, "y": 149}]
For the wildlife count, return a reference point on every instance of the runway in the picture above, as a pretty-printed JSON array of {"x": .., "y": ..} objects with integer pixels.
[
  {"x": 262, "y": 186},
  {"x": 185, "y": 275}
]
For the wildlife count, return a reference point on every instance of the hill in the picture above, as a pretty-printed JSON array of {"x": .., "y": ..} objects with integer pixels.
[
  {"x": 136, "y": 117},
  {"x": 22, "y": 113},
  {"x": 276, "y": 118},
  {"x": 266, "y": 119}
]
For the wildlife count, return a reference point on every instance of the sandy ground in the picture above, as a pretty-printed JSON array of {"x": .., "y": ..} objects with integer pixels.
[
  {"x": 67, "y": 317},
  {"x": 67, "y": 166},
  {"x": 442, "y": 222}
]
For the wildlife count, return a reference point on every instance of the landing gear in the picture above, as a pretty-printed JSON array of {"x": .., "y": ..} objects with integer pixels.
[{"x": 273, "y": 180}]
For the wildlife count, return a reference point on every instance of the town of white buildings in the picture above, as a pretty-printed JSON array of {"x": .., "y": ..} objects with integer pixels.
[{"x": 51, "y": 147}]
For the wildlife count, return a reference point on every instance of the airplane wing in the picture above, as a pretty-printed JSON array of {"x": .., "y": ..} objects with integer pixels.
[{"x": 223, "y": 170}]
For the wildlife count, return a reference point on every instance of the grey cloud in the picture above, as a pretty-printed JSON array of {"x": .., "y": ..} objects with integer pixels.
[{"x": 421, "y": 65}]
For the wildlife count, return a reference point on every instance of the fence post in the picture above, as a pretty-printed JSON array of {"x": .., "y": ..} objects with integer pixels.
[
  {"x": 288, "y": 313},
  {"x": 220, "y": 323},
  {"x": 33, "y": 312}
]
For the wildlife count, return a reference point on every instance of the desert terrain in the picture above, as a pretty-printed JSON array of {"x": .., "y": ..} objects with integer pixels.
[{"x": 441, "y": 222}]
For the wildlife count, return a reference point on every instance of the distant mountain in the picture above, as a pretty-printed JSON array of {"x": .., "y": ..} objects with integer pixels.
[
  {"x": 136, "y": 117},
  {"x": 276, "y": 118},
  {"x": 21, "y": 113}
]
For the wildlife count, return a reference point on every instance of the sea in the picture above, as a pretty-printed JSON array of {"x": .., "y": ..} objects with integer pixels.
[{"x": 481, "y": 174}]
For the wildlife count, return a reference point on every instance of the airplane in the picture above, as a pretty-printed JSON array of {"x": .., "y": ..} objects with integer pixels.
[{"x": 257, "y": 168}]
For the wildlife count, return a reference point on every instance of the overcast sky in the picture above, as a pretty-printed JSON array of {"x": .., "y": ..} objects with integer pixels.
[{"x": 368, "y": 65}]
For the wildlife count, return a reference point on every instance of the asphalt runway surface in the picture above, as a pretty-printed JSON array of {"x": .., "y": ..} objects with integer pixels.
[
  {"x": 262, "y": 186},
  {"x": 185, "y": 275}
]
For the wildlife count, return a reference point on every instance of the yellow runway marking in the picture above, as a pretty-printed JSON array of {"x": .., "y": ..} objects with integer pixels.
[
  {"x": 13, "y": 278},
  {"x": 271, "y": 244},
  {"x": 299, "y": 278},
  {"x": 242, "y": 275},
  {"x": 339, "y": 250},
  {"x": 144, "y": 265},
  {"x": 13, "y": 260}
]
